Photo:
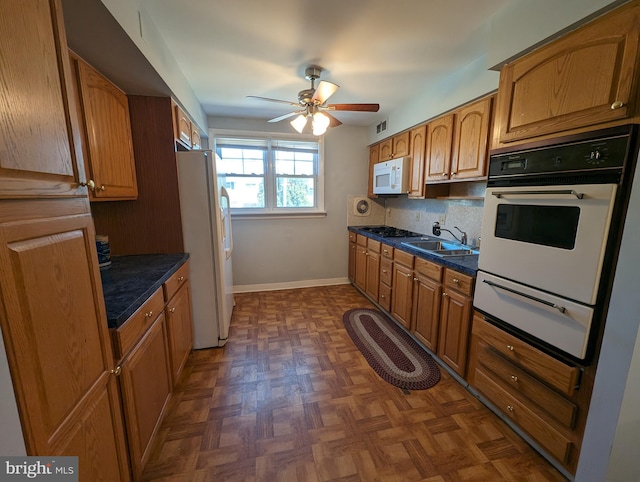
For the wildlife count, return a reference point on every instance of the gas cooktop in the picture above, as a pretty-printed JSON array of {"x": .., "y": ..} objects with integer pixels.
[{"x": 389, "y": 232}]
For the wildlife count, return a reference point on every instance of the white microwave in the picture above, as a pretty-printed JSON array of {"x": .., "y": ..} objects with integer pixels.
[{"x": 392, "y": 177}]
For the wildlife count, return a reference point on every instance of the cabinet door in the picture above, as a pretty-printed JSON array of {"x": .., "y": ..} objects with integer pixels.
[
  {"x": 471, "y": 139},
  {"x": 352, "y": 261},
  {"x": 361, "y": 267},
  {"x": 585, "y": 78},
  {"x": 455, "y": 323},
  {"x": 428, "y": 298},
  {"x": 373, "y": 275},
  {"x": 418, "y": 144},
  {"x": 109, "y": 153},
  {"x": 40, "y": 148},
  {"x": 438, "y": 153},
  {"x": 374, "y": 158},
  {"x": 183, "y": 127},
  {"x": 196, "y": 141},
  {"x": 55, "y": 330},
  {"x": 146, "y": 387},
  {"x": 386, "y": 150},
  {"x": 402, "y": 294},
  {"x": 401, "y": 145},
  {"x": 179, "y": 330}
]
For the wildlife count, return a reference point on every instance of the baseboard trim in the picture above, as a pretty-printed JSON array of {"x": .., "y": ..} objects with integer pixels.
[{"x": 290, "y": 285}]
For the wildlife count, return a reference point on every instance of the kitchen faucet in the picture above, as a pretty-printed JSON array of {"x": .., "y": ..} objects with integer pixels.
[{"x": 436, "y": 229}]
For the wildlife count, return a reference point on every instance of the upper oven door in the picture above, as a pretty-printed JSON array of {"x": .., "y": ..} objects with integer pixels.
[{"x": 549, "y": 237}]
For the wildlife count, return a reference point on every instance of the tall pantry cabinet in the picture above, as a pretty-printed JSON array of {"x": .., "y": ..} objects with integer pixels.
[{"x": 52, "y": 314}]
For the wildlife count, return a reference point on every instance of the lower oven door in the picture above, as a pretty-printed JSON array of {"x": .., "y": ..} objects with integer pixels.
[
  {"x": 558, "y": 322},
  {"x": 551, "y": 237}
]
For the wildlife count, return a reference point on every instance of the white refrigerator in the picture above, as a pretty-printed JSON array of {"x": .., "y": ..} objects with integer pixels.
[{"x": 206, "y": 230}]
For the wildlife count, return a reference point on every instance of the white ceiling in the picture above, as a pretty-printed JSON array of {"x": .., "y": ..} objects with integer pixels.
[{"x": 378, "y": 51}]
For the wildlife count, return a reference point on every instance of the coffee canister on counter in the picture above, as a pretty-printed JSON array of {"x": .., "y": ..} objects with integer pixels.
[{"x": 104, "y": 251}]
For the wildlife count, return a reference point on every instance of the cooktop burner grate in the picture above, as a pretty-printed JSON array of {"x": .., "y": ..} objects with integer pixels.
[{"x": 390, "y": 232}]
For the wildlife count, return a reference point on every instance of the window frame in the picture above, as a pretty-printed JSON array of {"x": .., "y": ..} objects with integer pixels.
[{"x": 270, "y": 176}]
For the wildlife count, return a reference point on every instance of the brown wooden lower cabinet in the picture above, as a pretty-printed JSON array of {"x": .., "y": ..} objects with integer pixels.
[
  {"x": 56, "y": 337},
  {"x": 146, "y": 388},
  {"x": 179, "y": 329},
  {"x": 543, "y": 396},
  {"x": 427, "y": 301}
]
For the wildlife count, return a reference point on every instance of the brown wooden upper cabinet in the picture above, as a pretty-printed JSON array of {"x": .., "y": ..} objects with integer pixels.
[
  {"x": 40, "y": 152},
  {"x": 585, "y": 78},
  {"x": 108, "y": 147},
  {"x": 187, "y": 134},
  {"x": 394, "y": 147},
  {"x": 439, "y": 148},
  {"x": 418, "y": 143},
  {"x": 471, "y": 140},
  {"x": 374, "y": 158}
]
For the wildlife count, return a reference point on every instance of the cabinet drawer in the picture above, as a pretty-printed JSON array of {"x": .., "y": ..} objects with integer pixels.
[
  {"x": 352, "y": 237},
  {"x": 403, "y": 258},
  {"x": 385, "y": 297},
  {"x": 361, "y": 240},
  {"x": 387, "y": 251},
  {"x": 386, "y": 271},
  {"x": 553, "y": 372},
  {"x": 429, "y": 269},
  {"x": 173, "y": 284},
  {"x": 458, "y": 281},
  {"x": 373, "y": 246},
  {"x": 127, "y": 335},
  {"x": 524, "y": 385},
  {"x": 552, "y": 440}
]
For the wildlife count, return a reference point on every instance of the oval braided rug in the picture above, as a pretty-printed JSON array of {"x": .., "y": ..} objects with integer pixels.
[{"x": 391, "y": 352}]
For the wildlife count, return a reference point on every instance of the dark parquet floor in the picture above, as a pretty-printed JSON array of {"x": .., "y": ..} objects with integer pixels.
[{"x": 290, "y": 398}]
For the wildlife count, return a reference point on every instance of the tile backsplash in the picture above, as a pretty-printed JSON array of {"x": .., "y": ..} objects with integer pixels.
[{"x": 419, "y": 214}]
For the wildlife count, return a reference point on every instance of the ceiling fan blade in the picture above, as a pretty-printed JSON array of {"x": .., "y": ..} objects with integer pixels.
[
  {"x": 273, "y": 100},
  {"x": 286, "y": 116},
  {"x": 324, "y": 91},
  {"x": 355, "y": 107},
  {"x": 333, "y": 121}
]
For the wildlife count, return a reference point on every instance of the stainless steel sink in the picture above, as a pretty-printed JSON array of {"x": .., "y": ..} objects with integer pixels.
[{"x": 441, "y": 248}]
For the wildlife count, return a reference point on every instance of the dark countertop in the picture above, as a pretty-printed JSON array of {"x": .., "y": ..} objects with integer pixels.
[
  {"x": 130, "y": 280},
  {"x": 465, "y": 264}
]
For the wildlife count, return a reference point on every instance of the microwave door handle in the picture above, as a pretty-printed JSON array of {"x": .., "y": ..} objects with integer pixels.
[
  {"x": 561, "y": 309},
  {"x": 393, "y": 177},
  {"x": 569, "y": 192}
]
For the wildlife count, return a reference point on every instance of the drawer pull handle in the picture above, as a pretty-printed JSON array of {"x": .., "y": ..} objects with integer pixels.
[
  {"x": 510, "y": 408},
  {"x": 149, "y": 314},
  {"x": 181, "y": 278},
  {"x": 510, "y": 347},
  {"x": 618, "y": 104},
  {"x": 514, "y": 378},
  {"x": 172, "y": 310}
]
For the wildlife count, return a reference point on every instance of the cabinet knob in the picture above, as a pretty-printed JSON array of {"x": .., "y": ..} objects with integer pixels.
[
  {"x": 172, "y": 310},
  {"x": 117, "y": 370},
  {"x": 514, "y": 378},
  {"x": 453, "y": 174},
  {"x": 443, "y": 174},
  {"x": 444, "y": 295},
  {"x": 384, "y": 270},
  {"x": 382, "y": 296},
  {"x": 510, "y": 408},
  {"x": 149, "y": 314},
  {"x": 408, "y": 275},
  {"x": 618, "y": 104},
  {"x": 456, "y": 281},
  {"x": 89, "y": 184},
  {"x": 510, "y": 347},
  {"x": 102, "y": 188},
  {"x": 181, "y": 278},
  {"x": 415, "y": 279}
]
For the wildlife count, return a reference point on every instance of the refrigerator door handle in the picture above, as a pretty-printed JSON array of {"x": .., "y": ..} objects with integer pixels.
[{"x": 225, "y": 211}]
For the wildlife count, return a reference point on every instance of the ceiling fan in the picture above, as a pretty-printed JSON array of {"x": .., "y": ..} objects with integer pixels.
[{"x": 312, "y": 105}]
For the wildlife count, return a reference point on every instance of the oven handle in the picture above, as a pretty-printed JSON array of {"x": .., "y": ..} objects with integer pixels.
[
  {"x": 571, "y": 192},
  {"x": 561, "y": 309}
]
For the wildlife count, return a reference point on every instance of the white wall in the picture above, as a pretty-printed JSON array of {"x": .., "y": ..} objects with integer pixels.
[
  {"x": 616, "y": 380},
  {"x": 134, "y": 20},
  {"x": 280, "y": 253}
]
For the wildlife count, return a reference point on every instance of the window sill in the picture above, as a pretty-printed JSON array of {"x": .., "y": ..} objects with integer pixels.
[{"x": 254, "y": 216}]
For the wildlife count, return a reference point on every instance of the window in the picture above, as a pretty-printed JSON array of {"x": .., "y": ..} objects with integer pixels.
[{"x": 271, "y": 176}]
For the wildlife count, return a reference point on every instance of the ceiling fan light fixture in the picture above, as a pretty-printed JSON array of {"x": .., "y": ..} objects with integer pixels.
[
  {"x": 320, "y": 122},
  {"x": 299, "y": 123}
]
